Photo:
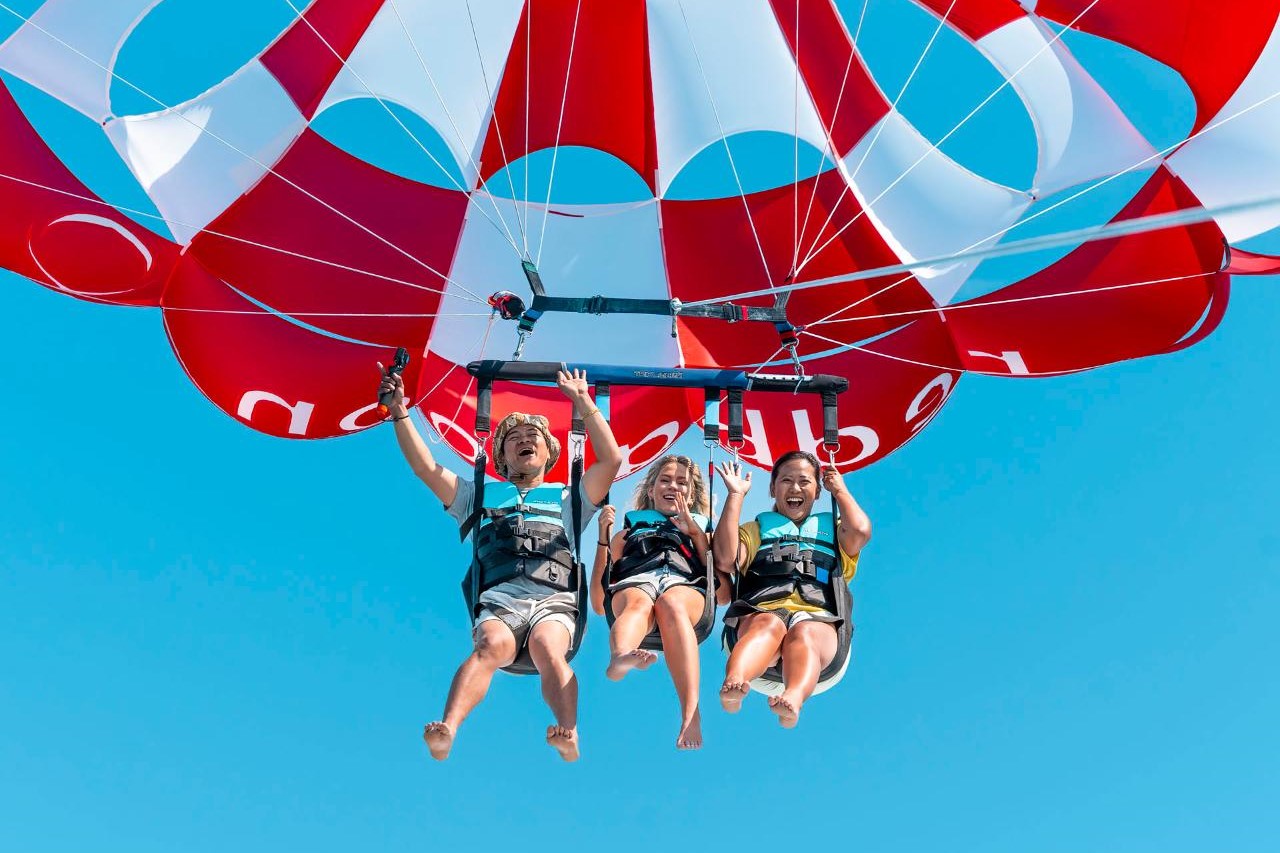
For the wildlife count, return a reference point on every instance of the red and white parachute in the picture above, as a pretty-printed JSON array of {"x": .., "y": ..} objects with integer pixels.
[{"x": 295, "y": 264}]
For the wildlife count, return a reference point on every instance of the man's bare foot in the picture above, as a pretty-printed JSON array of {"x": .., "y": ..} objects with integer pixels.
[
  {"x": 690, "y": 736},
  {"x": 731, "y": 695},
  {"x": 787, "y": 711},
  {"x": 564, "y": 741},
  {"x": 623, "y": 662},
  {"x": 439, "y": 738}
]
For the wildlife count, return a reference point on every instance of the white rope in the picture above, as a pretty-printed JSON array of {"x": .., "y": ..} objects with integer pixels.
[
  {"x": 555, "y": 150},
  {"x": 1111, "y": 230},
  {"x": 729, "y": 153},
  {"x": 830, "y": 132},
  {"x": 385, "y": 106},
  {"x": 497, "y": 128},
  {"x": 936, "y": 146},
  {"x": 848, "y": 181}
]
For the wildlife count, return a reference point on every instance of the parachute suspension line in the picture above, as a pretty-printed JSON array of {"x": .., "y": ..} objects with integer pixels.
[
  {"x": 936, "y": 146},
  {"x": 1108, "y": 231},
  {"x": 267, "y": 169},
  {"x": 746, "y": 206},
  {"x": 528, "y": 89},
  {"x": 144, "y": 214},
  {"x": 849, "y": 177},
  {"x": 1040, "y": 297},
  {"x": 830, "y": 131},
  {"x": 795, "y": 137},
  {"x": 497, "y": 128},
  {"x": 555, "y": 150},
  {"x": 1159, "y": 155},
  {"x": 504, "y": 228},
  {"x": 413, "y": 136},
  {"x": 303, "y": 314}
]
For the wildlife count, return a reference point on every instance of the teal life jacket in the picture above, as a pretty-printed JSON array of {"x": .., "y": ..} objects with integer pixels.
[
  {"x": 523, "y": 535},
  {"x": 801, "y": 558},
  {"x": 652, "y": 541}
]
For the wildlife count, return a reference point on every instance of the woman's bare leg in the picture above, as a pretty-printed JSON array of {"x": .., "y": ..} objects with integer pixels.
[
  {"x": 678, "y": 611},
  {"x": 549, "y": 643},
  {"x": 495, "y": 647},
  {"x": 809, "y": 646},
  {"x": 633, "y": 620},
  {"x": 759, "y": 639}
]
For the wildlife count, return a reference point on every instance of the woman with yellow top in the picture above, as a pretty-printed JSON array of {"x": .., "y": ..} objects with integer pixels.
[{"x": 784, "y": 607}]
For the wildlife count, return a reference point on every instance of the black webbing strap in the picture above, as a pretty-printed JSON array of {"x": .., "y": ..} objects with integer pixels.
[
  {"x": 477, "y": 495},
  {"x": 735, "y": 415},
  {"x": 830, "y": 420}
]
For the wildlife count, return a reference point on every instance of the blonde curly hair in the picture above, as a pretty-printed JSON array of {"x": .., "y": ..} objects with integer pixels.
[
  {"x": 514, "y": 420},
  {"x": 697, "y": 489}
]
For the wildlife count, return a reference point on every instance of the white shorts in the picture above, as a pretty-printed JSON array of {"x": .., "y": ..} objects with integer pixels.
[{"x": 656, "y": 582}]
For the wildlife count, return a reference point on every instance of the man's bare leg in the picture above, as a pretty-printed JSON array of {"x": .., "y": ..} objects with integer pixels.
[
  {"x": 807, "y": 649},
  {"x": 678, "y": 612},
  {"x": 548, "y": 644},
  {"x": 495, "y": 647},
  {"x": 633, "y": 620},
  {"x": 759, "y": 638}
]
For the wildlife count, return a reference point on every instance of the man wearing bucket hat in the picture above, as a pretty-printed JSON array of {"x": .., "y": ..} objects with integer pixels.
[{"x": 524, "y": 607}]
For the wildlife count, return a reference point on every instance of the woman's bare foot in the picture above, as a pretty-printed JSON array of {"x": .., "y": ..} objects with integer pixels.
[
  {"x": 623, "y": 662},
  {"x": 563, "y": 741},
  {"x": 439, "y": 738},
  {"x": 788, "y": 712},
  {"x": 690, "y": 736},
  {"x": 731, "y": 695}
]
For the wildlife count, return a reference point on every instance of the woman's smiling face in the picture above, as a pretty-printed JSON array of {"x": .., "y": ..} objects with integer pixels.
[
  {"x": 672, "y": 480},
  {"x": 794, "y": 489}
]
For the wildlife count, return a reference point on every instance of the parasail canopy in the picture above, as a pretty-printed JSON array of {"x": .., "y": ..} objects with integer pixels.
[{"x": 285, "y": 265}]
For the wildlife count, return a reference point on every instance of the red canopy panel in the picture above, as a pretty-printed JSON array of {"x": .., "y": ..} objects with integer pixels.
[
  {"x": 1213, "y": 44},
  {"x": 645, "y": 421},
  {"x": 268, "y": 373},
  {"x": 309, "y": 55},
  {"x": 843, "y": 91},
  {"x": 1180, "y": 289},
  {"x": 976, "y": 18},
  {"x": 54, "y": 230},
  {"x": 1252, "y": 263},
  {"x": 894, "y": 390},
  {"x": 586, "y": 84},
  {"x": 711, "y": 252},
  {"x": 406, "y": 232}
]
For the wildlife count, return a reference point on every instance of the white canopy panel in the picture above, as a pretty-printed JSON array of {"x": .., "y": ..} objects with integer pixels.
[
  {"x": 929, "y": 208},
  {"x": 426, "y": 57},
  {"x": 68, "y": 48},
  {"x": 588, "y": 250},
  {"x": 197, "y": 158},
  {"x": 722, "y": 67}
]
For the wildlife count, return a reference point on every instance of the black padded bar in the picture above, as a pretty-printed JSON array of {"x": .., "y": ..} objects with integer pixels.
[{"x": 670, "y": 377}]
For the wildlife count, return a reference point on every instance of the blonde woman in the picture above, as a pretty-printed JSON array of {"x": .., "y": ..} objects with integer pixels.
[{"x": 657, "y": 577}]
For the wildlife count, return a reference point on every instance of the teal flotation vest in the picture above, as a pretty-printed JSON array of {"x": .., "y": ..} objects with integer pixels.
[
  {"x": 652, "y": 541},
  {"x": 792, "y": 558},
  {"x": 524, "y": 535}
]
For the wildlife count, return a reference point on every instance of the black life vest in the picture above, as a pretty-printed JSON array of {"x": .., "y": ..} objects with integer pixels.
[
  {"x": 524, "y": 536},
  {"x": 651, "y": 541},
  {"x": 793, "y": 558}
]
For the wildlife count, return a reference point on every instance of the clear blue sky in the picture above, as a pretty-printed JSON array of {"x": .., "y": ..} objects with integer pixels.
[{"x": 214, "y": 640}]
